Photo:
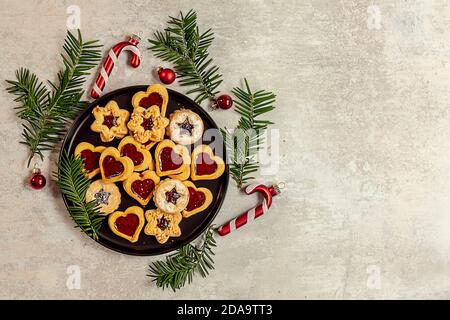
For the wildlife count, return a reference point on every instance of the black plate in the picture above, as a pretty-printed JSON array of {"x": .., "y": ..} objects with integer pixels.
[{"x": 191, "y": 227}]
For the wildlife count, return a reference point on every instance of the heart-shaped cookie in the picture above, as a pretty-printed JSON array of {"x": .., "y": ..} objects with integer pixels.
[
  {"x": 127, "y": 224},
  {"x": 141, "y": 157},
  {"x": 91, "y": 157},
  {"x": 199, "y": 199},
  {"x": 171, "y": 158},
  {"x": 205, "y": 165},
  {"x": 114, "y": 167},
  {"x": 140, "y": 186},
  {"x": 156, "y": 95}
]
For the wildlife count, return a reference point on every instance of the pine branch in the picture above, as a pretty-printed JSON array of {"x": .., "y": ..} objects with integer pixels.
[
  {"x": 245, "y": 141},
  {"x": 180, "y": 267},
  {"x": 45, "y": 112},
  {"x": 182, "y": 44},
  {"x": 73, "y": 184}
]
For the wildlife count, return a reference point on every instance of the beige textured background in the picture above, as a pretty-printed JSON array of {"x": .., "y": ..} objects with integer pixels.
[{"x": 365, "y": 151}]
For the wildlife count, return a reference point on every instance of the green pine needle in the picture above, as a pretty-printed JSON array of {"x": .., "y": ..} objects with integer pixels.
[
  {"x": 73, "y": 183},
  {"x": 182, "y": 44},
  {"x": 244, "y": 142},
  {"x": 46, "y": 113},
  {"x": 180, "y": 267}
]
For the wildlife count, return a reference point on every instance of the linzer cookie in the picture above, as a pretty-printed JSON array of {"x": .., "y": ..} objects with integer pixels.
[
  {"x": 162, "y": 225},
  {"x": 110, "y": 121},
  {"x": 186, "y": 127},
  {"x": 171, "y": 196}
]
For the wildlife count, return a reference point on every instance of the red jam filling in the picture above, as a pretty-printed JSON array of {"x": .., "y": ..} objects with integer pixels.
[
  {"x": 111, "y": 167},
  {"x": 127, "y": 224},
  {"x": 143, "y": 188},
  {"x": 154, "y": 99},
  {"x": 147, "y": 124},
  {"x": 163, "y": 223},
  {"x": 90, "y": 160},
  {"x": 110, "y": 121},
  {"x": 172, "y": 196},
  {"x": 169, "y": 160},
  {"x": 204, "y": 165},
  {"x": 196, "y": 199},
  {"x": 129, "y": 150}
]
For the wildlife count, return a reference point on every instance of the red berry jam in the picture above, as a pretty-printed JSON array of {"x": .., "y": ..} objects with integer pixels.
[
  {"x": 147, "y": 124},
  {"x": 196, "y": 199},
  {"x": 111, "y": 167},
  {"x": 204, "y": 165},
  {"x": 127, "y": 224},
  {"x": 110, "y": 121},
  {"x": 172, "y": 196},
  {"x": 143, "y": 188},
  {"x": 129, "y": 150},
  {"x": 169, "y": 160},
  {"x": 90, "y": 160},
  {"x": 163, "y": 223},
  {"x": 154, "y": 99}
]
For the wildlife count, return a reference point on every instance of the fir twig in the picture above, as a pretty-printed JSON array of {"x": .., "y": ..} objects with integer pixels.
[
  {"x": 45, "y": 112},
  {"x": 73, "y": 183},
  {"x": 180, "y": 267},
  {"x": 182, "y": 44},
  {"x": 245, "y": 141}
]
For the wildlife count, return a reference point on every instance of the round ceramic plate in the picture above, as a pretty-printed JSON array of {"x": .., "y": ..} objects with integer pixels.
[{"x": 191, "y": 227}]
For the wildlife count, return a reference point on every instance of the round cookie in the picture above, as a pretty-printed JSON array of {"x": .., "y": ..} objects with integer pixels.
[
  {"x": 171, "y": 196},
  {"x": 185, "y": 127},
  {"x": 106, "y": 195}
]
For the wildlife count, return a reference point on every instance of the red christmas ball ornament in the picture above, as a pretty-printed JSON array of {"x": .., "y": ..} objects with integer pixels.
[
  {"x": 224, "y": 102},
  {"x": 166, "y": 75},
  {"x": 37, "y": 180}
]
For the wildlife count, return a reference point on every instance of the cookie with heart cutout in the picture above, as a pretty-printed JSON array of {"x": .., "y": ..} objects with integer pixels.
[
  {"x": 115, "y": 167},
  {"x": 171, "y": 196},
  {"x": 199, "y": 199},
  {"x": 156, "y": 95},
  {"x": 162, "y": 225},
  {"x": 141, "y": 186},
  {"x": 110, "y": 121},
  {"x": 171, "y": 158},
  {"x": 205, "y": 165},
  {"x": 90, "y": 155},
  {"x": 141, "y": 157},
  {"x": 127, "y": 224}
]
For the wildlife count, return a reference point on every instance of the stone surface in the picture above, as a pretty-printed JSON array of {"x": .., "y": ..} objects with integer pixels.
[{"x": 364, "y": 151}]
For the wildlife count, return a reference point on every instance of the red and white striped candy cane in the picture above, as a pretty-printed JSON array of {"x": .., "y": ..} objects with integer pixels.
[
  {"x": 250, "y": 215},
  {"x": 111, "y": 60}
]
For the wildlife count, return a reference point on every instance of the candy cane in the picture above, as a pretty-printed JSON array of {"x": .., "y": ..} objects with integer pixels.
[
  {"x": 251, "y": 215},
  {"x": 111, "y": 60}
]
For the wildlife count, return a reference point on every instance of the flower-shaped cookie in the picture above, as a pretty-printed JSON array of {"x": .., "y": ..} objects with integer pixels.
[
  {"x": 147, "y": 124},
  {"x": 186, "y": 127},
  {"x": 110, "y": 121},
  {"x": 162, "y": 225},
  {"x": 171, "y": 196}
]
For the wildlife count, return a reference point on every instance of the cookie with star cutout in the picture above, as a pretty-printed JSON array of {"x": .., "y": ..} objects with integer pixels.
[{"x": 185, "y": 127}]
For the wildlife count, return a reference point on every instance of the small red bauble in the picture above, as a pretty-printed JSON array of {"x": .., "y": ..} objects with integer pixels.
[
  {"x": 37, "y": 180},
  {"x": 224, "y": 102},
  {"x": 167, "y": 76}
]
